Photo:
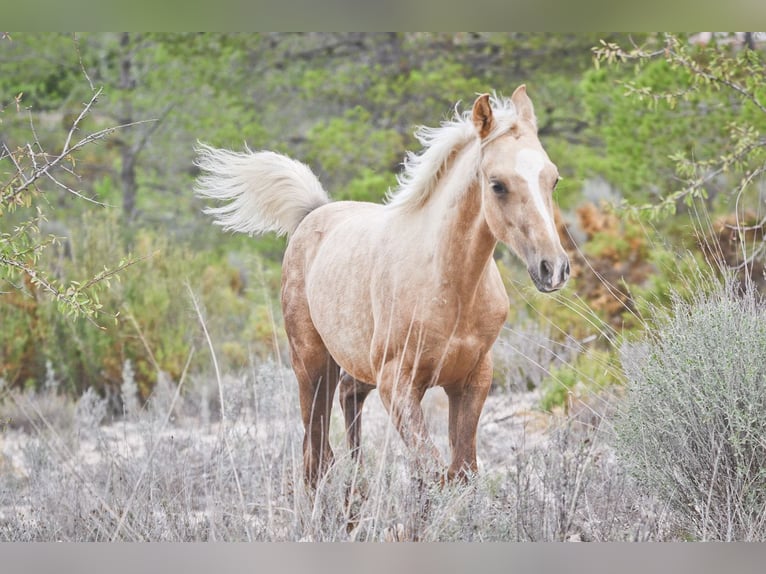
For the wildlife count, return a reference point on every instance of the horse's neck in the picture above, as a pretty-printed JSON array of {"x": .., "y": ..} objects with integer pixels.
[{"x": 464, "y": 243}]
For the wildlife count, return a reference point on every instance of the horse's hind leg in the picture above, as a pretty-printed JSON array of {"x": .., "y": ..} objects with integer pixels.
[
  {"x": 352, "y": 395},
  {"x": 317, "y": 387},
  {"x": 317, "y": 375}
]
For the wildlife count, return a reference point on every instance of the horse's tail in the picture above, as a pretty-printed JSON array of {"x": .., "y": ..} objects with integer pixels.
[{"x": 264, "y": 191}]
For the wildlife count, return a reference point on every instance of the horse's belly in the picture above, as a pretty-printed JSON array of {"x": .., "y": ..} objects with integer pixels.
[{"x": 349, "y": 346}]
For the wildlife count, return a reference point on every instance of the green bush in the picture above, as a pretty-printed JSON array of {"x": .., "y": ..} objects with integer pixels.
[
  {"x": 693, "y": 422},
  {"x": 156, "y": 327}
]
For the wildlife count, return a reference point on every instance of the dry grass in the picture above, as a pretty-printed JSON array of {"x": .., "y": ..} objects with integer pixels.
[{"x": 175, "y": 471}]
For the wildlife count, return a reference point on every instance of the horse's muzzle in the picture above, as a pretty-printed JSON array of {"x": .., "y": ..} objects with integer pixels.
[{"x": 550, "y": 275}]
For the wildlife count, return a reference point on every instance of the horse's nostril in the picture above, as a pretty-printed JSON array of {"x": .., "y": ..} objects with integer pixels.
[
  {"x": 546, "y": 270},
  {"x": 564, "y": 273}
]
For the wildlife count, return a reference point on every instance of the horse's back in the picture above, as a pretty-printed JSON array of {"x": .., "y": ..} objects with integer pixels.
[
  {"x": 337, "y": 223},
  {"x": 330, "y": 217}
]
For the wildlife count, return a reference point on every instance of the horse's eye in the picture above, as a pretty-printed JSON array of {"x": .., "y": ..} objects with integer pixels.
[
  {"x": 499, "y": 188},
  {"x": 558, "y": 179}
]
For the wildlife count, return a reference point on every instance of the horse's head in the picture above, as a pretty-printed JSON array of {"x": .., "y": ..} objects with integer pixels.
[{"x": 517, "y": 180}]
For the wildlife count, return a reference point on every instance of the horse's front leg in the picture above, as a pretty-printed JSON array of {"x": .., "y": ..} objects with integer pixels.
[
  {"x": 465, "y": 403},
  {"x": 401, "y": 395}
]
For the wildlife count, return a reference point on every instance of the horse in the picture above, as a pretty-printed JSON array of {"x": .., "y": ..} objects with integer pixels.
[{"x": 405, "y": 294}]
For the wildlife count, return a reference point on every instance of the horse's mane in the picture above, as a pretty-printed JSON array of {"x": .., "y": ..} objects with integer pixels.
[{"x": 422, "y": 171}]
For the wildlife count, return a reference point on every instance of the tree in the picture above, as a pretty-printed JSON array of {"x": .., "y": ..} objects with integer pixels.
[
  {"x": 704, "y": 107},
  {"x": 698, "y": 142}
]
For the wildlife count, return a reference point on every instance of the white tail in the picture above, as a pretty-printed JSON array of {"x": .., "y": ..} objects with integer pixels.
[{"x": 265, "y": 191}]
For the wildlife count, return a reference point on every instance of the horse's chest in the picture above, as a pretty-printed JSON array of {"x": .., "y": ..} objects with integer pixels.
[
  {"x": 460, "y": 353},
  {"x": 459, "y": 358},
  {"x": 450, "y": 353}
]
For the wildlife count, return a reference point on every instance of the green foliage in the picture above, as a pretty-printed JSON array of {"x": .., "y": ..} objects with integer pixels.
[
  {"x": 703, "y": 109},
  {"x": 638, "y": 137},
  {"x": 154, "y": 327},
  {"x": 369, "y": 185},
  {"x": 590, "y": 373},
  {"x": 347, "y": 148},
  {"x": 44, "y": 68}
]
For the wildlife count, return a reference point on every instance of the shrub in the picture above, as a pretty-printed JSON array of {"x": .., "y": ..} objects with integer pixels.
[
  {"x": 153, "y": 326},
  {"x": 694, "y": 419}
]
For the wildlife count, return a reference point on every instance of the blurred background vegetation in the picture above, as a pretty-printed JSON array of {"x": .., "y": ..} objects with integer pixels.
[{"x": 659, "y": 140}]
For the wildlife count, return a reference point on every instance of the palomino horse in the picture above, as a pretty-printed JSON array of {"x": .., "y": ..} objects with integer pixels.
[{"x": 406, "y": 295}]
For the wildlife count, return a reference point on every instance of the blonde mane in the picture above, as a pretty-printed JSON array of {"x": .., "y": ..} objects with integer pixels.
[{"x": 422, "y": 171}]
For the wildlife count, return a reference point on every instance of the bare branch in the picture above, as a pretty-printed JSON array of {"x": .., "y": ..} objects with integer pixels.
[
  {"x": 105, "y": 132},
  {"x": 50, "y": 164},
  {"x": 76, "y": 123},
  {"x": 157, "y": 122},
  {"x": 7, "y": 153},
  {"x": 76, "y": 193}
]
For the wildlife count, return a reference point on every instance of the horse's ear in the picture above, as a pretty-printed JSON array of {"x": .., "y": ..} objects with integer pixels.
[
  {"x": 482, "y": 115},
  {"x": 523, "y": 104}
]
